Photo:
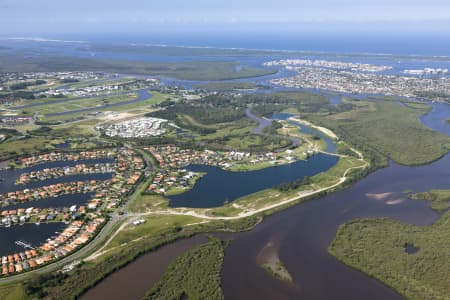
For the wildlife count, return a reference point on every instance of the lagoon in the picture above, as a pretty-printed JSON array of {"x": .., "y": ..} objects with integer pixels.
[{"x": 219, "y": 186}]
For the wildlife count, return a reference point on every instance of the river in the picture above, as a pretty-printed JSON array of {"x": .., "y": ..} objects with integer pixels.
[
  {"x": 132, "y": 281},
  {"x": 302, "y": 234}
]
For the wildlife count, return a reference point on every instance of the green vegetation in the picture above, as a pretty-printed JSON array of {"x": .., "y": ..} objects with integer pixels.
[
  {"x": 146, "y": 106},
  {"x": 288, "y": 186},
  {"x": 439, "y": 199},
  {"x": 152, "y": 226},
  {"x": 177, "y": 51},
  {"x": 277, "y": 269},
  {"x": 193, "y": 275},
  {"x": 75, "y": 104},
  {"x": 13, "y": 148},
  {"x": 24, "y": 85},
  {"x": 78, "y": 127},
  {"x": 197, "y": 70},
  {"x": 219, "y": 121},
  {"x": 69, "y": 80},
  {"x": 17, "y": 95},
  {"x": 386, "y": 129},
  {"x": 433, "y": 95},
  {"x": 227, "y": 86},
  {"x": 378, "y": 247},
  {"x": 201, "y": 111},
  {"x": 60, "y": 286},
  {"x": 15, "y": 292},
  {"x": 272, "y": 196}
]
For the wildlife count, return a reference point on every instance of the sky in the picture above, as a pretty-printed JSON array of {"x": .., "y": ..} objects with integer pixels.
[{"x": 78, "y": 16}]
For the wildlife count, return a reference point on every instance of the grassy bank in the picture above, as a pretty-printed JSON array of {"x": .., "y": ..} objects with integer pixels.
[
  {"x": 193, "y": 275},
  {"x": 378, "y": 247}
]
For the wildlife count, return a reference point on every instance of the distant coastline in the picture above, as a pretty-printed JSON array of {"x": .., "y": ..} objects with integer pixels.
[{"x": 374, "y": 45}]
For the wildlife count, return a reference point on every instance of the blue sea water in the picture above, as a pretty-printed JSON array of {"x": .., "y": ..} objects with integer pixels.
[{"x": 397, "y": 44}]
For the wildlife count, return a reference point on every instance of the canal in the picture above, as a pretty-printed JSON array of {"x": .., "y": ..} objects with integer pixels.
[{"x": 33, "y": 234}]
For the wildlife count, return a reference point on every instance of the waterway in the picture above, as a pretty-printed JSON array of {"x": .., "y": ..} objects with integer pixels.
[
  {"x": 32, "y": 233},
  {"x": 303, "y": 233},
  {"x": 9, "y": 176},
  {"x": 219, "y": 186},
  {"x": 437, "y": 117},
  {"x": 133, "y": 281},
  {"x": 330, "y": 145},
  {"x": 54, "y": 202},
  {"x": 28, "y": 233}
]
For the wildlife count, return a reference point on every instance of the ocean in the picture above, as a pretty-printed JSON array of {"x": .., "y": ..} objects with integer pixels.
[{"x": 421, "y": 44}]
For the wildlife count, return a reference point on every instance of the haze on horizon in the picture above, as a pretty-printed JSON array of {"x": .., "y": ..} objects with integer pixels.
[{"x": 81, "y": 16}]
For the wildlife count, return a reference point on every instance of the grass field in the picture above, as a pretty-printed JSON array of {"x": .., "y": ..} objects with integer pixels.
[
  {"x": 390, "y": 129},
  {"x": 153, "y": 225},
  {"x": 377, "y": 247},
  {"x": 15, "y": 292},
  {"x": 14, "y": 148},
  {"x": 69, "y": 105}
]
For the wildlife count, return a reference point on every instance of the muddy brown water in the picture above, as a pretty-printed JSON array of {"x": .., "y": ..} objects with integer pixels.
[
  {"x": 302, "y": 235},
  {"x": 133, "y": 281}
]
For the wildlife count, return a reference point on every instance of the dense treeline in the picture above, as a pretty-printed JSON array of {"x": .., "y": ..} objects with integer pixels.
[
  {"x": 9, "y": 131},
  {"x": 37, "y": 285},
  {"x": 69, "y": 80},
  {"x": 433, "y": 95},
  {"x": 207, "y": 115},
  {"x": 43, "y": 130},
  {"x": 86, "y": 276},
  {"x": 272, "y": 129},
  {"x": 289, "y": 186},
  {"x": 17, "y": 95},
  {"x": 267, "y": 104},
  {"x": 220, "y": 108},
  {"x": 202, "y": 116},
  {"x": 387, "y": 130},
  {"x": 378, "y": 248},
  {"x": 193, "y": 275},
  {"x": 24, "y": 85},
  {"x": 439, "y": 199},
  {"x": 202, "y": 112}
]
